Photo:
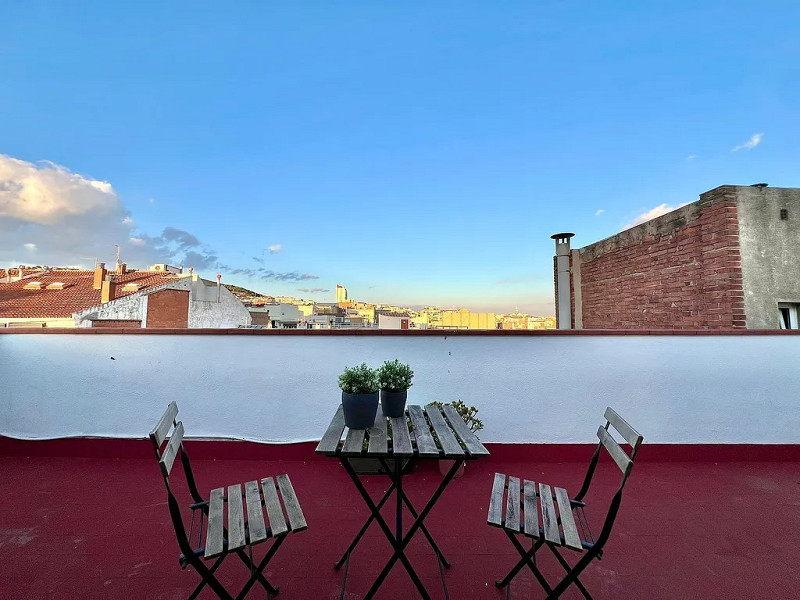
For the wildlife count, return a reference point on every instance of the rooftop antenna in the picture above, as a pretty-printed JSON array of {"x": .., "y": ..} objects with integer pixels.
[
  {"x": 118, "y": 251},
  {"x": 95, "y": 259}
]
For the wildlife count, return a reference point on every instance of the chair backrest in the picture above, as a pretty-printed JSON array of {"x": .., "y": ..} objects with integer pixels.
[
  {"x": 166, "y": 455},
  {"x": 622, "y": 459},
  {"x": 167, "y": 447},
  {"x": 162, "y": 428}
]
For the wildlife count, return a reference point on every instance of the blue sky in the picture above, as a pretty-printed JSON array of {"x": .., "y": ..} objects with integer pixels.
[{"x": 416, "y": 152}]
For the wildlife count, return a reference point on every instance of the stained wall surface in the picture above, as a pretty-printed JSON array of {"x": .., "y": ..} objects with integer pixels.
[
  {"x": 532, "y": 388},
  {"x": 770, "y": 249}
]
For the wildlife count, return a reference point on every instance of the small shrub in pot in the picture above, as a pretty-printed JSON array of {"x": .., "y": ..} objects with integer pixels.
[
  {"x": 395, "y": 379},
  {"x": 359, "y": 387}
]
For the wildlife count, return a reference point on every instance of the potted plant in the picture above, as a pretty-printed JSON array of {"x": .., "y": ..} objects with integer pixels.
[
  {"x": 395, "y": 379},
  {"x": 359, "y": 396},
  {"x": 469, "y": 414}
]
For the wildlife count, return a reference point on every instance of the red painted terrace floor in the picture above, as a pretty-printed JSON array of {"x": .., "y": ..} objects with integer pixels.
[{"x": 100, "y": 528}]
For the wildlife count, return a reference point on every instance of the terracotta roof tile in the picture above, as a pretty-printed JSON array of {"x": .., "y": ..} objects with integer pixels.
[{"x": 17, "y": 302}]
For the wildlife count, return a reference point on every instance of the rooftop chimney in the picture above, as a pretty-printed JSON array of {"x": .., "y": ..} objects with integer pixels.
[
  {"x": 122, "y": 268},
  {"x": 109, "y": 291},
  {"x": 99, "y": 275},
  {"x": 562, "y": 285}
]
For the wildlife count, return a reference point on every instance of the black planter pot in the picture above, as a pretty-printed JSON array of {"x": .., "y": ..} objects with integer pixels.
[
  {"x": 394, "y": 403},
  {"x": 359, "y": 410}
]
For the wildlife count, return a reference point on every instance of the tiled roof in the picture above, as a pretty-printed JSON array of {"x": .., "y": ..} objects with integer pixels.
[{"x": 18, "y": 302}]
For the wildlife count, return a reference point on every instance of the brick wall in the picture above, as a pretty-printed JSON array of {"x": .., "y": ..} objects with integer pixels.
[
  {"x": 116, "y": 323},
  {"x": 679, "y": 271},
  {"x": 168, "y": 309}
]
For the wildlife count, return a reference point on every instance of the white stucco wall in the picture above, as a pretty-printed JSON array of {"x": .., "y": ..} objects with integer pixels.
[
  {"x": 127, "y": 308},
  {"x": 210, "y": 306},
  {"x": 674, "y": 389}
]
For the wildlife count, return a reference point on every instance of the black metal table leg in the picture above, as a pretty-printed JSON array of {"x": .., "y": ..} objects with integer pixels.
[
  {"x": 397, "y": 544},
  {"x": 337, "y": 565},
  {"x": 414, "y": 514},
  {"x": 399, "y": 553}
]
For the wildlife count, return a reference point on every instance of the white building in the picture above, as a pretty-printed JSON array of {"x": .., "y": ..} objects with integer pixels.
[
  {"x": 392, "y": 322},
  {"x": 189, "y": 302},
  {"x": 283, "y": 316},
  {"x": 341, "y": 294}
]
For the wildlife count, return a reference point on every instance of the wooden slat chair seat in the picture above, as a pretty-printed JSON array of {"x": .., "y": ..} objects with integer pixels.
[
  {"x": 549, "y": 517},
  {"x": 232, "y": 520},
  {"x": 518, "y": 510}
]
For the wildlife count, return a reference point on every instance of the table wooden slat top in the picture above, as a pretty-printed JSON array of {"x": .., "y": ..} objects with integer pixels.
[
  {"x": 426, "y": 445},
  {"x": 378, "y": 436},
  {"x": 424, "y": 432}
]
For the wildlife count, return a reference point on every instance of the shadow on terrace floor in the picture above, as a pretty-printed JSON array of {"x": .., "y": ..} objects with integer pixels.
[{"x": 100, "y": 528}]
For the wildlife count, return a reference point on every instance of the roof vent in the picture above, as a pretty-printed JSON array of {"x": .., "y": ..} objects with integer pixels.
[
  {"x": 760, "y": 185},
  {"x": 33, "y": 285},
  {"x": 58, "y": 285}
]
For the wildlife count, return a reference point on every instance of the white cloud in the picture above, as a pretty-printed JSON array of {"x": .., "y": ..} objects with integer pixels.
[
  {"x": 754, "y": 141},
  {"x": 691, "y": 157},
  {"x": 151, "y": 200},
  {"x": 67, "y": 217},
  {"x": 599, "y": 212},
  {"x": 72, "y": 219},
  {"x": 659, "y": 210},
  {"x": 47, "y": 193}
]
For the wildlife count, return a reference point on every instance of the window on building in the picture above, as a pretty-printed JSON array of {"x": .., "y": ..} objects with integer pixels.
[{"x": 789, "y": 315}]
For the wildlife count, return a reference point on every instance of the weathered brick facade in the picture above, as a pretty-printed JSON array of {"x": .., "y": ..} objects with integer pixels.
[
  {"x": 679, "y": 271},
  {"x": 116, "y": 323},
  {"x": 168, "y": 309}
]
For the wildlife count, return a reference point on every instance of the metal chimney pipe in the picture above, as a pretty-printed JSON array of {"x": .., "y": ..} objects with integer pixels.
[{"x": 562, "y": 269}]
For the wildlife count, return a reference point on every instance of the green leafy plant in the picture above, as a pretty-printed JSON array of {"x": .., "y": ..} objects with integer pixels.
[
  {"x": 395, "y": 376},
  {"x": 359, "y": 380},
  {"x": 468, "y": 413}
]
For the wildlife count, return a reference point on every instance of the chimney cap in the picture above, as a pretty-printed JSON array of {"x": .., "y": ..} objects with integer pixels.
[
  {"x": 759, "y": 185},
  {"x": 560, "y": 236}
]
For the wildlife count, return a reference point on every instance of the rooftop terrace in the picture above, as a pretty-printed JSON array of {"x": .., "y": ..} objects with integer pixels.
[
  {"x": 711, "y": 510},
  {"x": 100, "y": 528}
]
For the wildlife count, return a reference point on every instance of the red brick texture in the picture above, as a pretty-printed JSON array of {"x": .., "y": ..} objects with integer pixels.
[
  {"x": 116, "y": 323},
  {"x": 680, "y": 271},
  {"x": 168, "y": 309}
]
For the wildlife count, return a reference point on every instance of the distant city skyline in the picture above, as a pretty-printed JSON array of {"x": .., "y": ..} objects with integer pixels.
[
  {"x": 415, "y": 307},
  {"x": 418, "y": 155}
]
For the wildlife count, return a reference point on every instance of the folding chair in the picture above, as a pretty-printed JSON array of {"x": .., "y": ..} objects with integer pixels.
[
  {"x": 239, "y": 536},
  {"x": 518, "y": 515}
]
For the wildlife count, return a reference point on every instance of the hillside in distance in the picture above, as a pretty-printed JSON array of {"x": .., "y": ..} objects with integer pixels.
[{"x": 241, "y": 292}]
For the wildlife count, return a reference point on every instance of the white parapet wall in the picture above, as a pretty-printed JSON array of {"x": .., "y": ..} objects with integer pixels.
[{"x": 541, "y": 389}]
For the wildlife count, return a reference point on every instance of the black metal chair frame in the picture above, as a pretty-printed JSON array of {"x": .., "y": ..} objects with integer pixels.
[
  {"x": 194, "y": 556},
  {"x": 593, "y": 548}
]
